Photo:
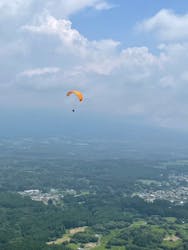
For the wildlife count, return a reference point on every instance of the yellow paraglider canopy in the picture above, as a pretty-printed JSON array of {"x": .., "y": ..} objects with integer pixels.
[{"x": 77, "y": 93}]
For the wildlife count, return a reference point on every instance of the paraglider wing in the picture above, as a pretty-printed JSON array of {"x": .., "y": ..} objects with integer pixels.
[{"x": 77, "y": 93}]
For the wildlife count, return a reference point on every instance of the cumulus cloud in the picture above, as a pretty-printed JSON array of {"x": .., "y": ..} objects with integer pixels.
[
  {"x": 48, "y": 56},
  {"x": 61, "y": 28},
  {"x": 70, "y": 37},
  {"x": 138, "y": 81},
  {"x": 166, "y": 25}
]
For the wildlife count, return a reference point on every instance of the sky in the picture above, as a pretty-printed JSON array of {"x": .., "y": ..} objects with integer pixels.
[{"x": 129, "y": 58}]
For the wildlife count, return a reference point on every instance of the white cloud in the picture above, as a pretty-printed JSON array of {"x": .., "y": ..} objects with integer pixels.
[
  {"x": 167, "y": 25},
  {"x": 48, "y": 56},
  {"x": 69, "y": 7},
  {"x": 39, "y": 71},
  {"x": 61, "y": 28},
  {"x": 61, "y": 8},
  {"x": 103, "y": 5},
  {"x": 138, "y": 82},
  {"x": 70, "y": 37}
]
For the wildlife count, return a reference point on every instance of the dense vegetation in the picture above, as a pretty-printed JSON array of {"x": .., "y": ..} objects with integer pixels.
[{"x": 102, "y": 202}]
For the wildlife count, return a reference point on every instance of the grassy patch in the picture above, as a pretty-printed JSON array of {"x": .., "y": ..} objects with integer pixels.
[{"x": 67, "y": 236}]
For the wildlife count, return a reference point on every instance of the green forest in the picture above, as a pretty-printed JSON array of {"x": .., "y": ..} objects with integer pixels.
[{"x": 90, "y": 204}]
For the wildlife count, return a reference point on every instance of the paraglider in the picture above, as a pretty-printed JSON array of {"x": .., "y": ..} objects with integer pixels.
[{"x": 78, "y": 94}]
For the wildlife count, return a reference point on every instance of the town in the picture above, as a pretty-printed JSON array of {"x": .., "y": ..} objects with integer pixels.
[{"x": 174, "y": 189}]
